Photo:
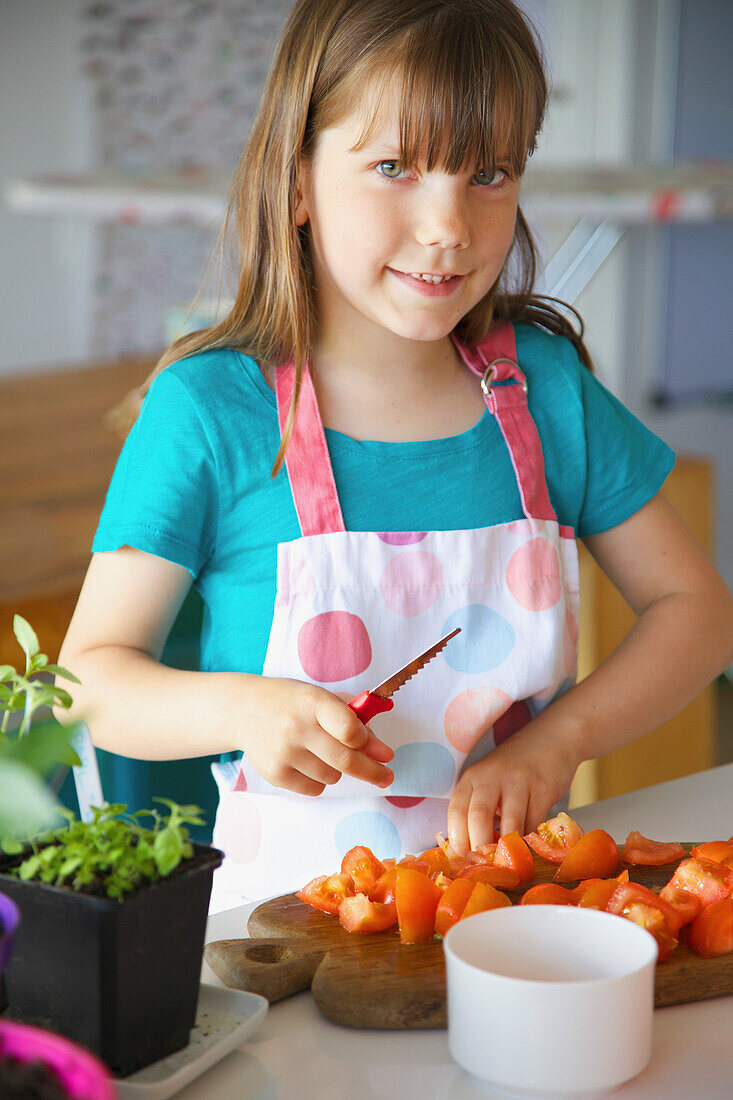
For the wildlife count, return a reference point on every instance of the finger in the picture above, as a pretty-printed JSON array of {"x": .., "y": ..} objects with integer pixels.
[
  {"x": 339, "y": 720},
  {"x": 458, "y": 819},
  {"x": 538, "y": 810},
  {"x": 377, "y": 749},
  {"x": 311, "y": 766},
  {"x": 514, "y": 812},
  {"x": 480, "y": 818},
  {"x": 350, "y": 761},
  {"x": 292, "y": 780}
]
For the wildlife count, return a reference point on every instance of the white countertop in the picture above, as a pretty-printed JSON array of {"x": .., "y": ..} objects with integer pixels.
[{"x": 297, "y": 1053}]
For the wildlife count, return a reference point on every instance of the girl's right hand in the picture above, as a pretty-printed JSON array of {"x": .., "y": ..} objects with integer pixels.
[{"x": 302, "y": 737}]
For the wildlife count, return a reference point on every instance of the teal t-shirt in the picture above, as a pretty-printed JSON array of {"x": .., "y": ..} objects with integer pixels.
[{"x": 193, "y": 485}]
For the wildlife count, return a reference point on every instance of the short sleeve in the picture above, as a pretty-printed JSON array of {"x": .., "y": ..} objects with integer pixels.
[
  {"x": 627, "y": 464},
  {"x": 163, "y": 495}
]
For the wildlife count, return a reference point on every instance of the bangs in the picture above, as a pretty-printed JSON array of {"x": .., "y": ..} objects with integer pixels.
[{"x": 465, "y": 98}]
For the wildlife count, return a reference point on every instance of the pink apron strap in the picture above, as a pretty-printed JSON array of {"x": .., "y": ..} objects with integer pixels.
[
  {"x": 494, "y": 360},
  {"x": 306, "y": 458}
]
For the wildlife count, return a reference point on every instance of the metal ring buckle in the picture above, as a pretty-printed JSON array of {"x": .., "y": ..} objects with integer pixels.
[{"x": 490, "y": 374}]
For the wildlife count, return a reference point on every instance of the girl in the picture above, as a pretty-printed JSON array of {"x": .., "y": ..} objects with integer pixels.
[{"x": 438, "y": 443}]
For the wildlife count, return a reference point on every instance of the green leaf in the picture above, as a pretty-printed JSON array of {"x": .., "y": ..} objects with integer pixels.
[
  {"x": 42, "y": 751},
  {"x": 26, "y": 805},
  {"x": 26, "y": 636},
  {"x": 61, "y": 697},
  {"x": 167, "y": 850},
  {"x": 6, "y": 672},
  {"x": 39, "y": 662},
  {"x": 59, "y": 671}
]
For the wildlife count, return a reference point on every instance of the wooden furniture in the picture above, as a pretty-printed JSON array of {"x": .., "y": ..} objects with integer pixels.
[{"x": 56, "y": 459}]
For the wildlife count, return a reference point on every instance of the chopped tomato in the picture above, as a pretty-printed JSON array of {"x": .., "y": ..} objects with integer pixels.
[
  {"x": 359, "y": 914},
  {"x": 549, "y": 893},
  {"x": 687, "y": 905},
  {"x": 640, "y": 851},
  {"x": 512, "y": 851},
  {"x": 456, "y": 863},
  {"x": 644, "y": 907},
  {"x": 710, "y": 881},
  {"x": 327, "y": 892},
  {"x": 384, "y": 888},
  {"x": 482, "y": 855},
  {"x": 595, "y": 893},
  {"x": 711, "y": 932},
  {"x": 364, "y": 868},
  {"x": 451, "y": 905},
  {"x": 504, "y": 878},
  {"x": 417, "y": 900},
  {"x": 594, "y": 856},
  {"x": 436, "y": 860},
  {"x": 553, "y": 839},
  {"x": 387, "y": 863},
  {"x": 718, "y": 851},
  {"x": 442, "y": 881},
  {"x": 484, "y": 897}
]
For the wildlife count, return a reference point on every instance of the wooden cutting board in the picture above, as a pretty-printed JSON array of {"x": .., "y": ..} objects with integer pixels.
[{"x": 375, "y": 981}]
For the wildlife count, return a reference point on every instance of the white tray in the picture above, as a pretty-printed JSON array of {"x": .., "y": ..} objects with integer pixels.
[{"x": 224, "y": 1019}]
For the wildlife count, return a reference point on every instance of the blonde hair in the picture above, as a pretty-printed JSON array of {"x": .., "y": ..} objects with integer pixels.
[{"x": 469, "y": 69}]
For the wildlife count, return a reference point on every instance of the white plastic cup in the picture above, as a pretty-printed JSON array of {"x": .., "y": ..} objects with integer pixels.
[{"x": 549, "y": 1001}]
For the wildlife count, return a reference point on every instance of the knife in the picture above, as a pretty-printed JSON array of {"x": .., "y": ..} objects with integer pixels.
[{"x": 368, "y": 703}]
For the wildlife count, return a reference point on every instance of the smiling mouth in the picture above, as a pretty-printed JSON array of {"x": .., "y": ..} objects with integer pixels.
[{"x": 427, "y": 277}]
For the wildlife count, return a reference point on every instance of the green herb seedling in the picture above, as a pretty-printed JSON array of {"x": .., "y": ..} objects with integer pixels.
[
  {"x": 112, "y": 854},
  {"x": 20, "y": 691}
]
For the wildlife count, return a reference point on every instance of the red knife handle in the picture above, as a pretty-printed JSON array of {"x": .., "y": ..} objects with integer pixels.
[{"x": 366, "y": 705}]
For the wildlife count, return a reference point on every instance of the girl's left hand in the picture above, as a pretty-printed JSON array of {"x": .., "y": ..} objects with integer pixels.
[{"x": 519, "y": 782}]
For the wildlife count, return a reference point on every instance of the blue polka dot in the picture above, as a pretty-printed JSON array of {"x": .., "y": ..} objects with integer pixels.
[
  {"x": 372, "y": 829},
  {"x": 485, "y": 641},
  {"x": 422, "y": 768}
]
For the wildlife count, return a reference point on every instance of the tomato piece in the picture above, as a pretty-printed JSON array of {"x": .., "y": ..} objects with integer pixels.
[
  {"x": 512, "y": 851},
  {"x": 640, "y": 851},
  {"x": 710, "y": 881},
  {"x": 442, "y": 881},
  {"x": 456, "y": 863},
  {"x": 436, "y": 860},
  {"x": 687, "y": 905},
  {"x": 452, "y": 904},
  {"x": 711, "y": 932},
  {"x": 553, "y": 839},
  {"x": 326, "y": 892},
  {"x": 718, "y": 851},
  {"x": 595, "y": 893},
  {"x": 364, "y": 868},
  {"x": 549, "y": 893},
  {"x": 359, "y": 914},
  {"x": 594, "y": 856},
  {"x": 384, "y": 888},
  {"x": 417, "y": 900},
  {"x": 644, "y": 907},
  {"x": 504, "y": 878},
  {"x": 482, "y": 855},
  {"x": 484, "y": 897}
]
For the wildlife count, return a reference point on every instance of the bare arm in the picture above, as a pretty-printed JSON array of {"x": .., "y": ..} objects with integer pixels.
[
  {"x": 681, "y": 641},
  {"x": 297, "y": 735}
]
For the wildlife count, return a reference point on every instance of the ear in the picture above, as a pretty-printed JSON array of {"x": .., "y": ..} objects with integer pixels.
[{"x": 301, "y": 211}]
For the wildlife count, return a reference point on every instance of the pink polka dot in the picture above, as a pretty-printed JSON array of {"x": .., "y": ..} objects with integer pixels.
[
  {"x": 334, "y": 646},
  {"x": 471, "y": 713},
  {"x": 411, "y": 582},
  {"x": 241, "y": 782},
  {"x": 401, "y": 538},
  {"x": 239, "y": 828},
  {"x": 512, "y": 720},
  {"x": 533, "y": 575},
  {"x": 570, "y": 642},
  {"x": 404, "y": 802}
]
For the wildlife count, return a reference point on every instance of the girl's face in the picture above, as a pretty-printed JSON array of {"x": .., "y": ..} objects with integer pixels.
[{"x": 375, "y": 229}]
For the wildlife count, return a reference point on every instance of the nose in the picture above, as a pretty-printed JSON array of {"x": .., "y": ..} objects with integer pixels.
[{"x": 442, "y": 216}]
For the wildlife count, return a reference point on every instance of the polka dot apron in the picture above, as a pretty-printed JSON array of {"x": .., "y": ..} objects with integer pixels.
[{"x": 351, "y": 607}]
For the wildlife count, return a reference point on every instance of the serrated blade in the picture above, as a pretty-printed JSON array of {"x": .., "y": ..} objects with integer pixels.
[{"x": 397, "y": 679}]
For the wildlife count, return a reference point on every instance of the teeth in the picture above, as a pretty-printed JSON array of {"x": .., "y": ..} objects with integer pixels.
[{"x": 431, "y": 278}]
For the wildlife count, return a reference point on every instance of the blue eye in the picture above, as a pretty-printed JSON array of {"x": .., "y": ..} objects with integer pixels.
[{"x": 390, "y": 169}]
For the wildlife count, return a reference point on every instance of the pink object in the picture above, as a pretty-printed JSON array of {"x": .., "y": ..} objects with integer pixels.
[{"x": 83, "y": 1076}]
